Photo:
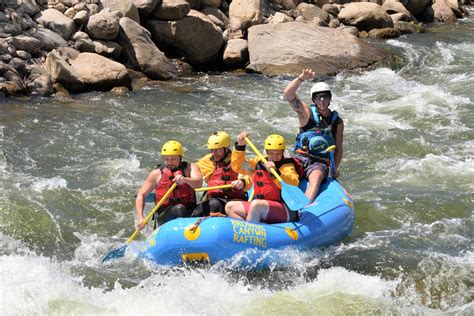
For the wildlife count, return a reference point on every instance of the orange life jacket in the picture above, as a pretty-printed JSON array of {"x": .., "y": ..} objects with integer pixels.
[{"x": 182, "y": 194}]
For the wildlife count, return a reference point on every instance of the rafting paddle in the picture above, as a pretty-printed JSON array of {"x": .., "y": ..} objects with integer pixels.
[
  {"x": 330, "y": 150},
  {"x": 217, "y": 187},
  {"x": 292, "y": 195},
  {"x": 120, "y": 251}
]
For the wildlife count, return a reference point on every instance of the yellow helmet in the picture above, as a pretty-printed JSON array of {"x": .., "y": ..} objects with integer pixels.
[
  {"x": 171, "y": 148},
  {"x": 218, "y": 140},
  {"x": 275, "y": 141}
]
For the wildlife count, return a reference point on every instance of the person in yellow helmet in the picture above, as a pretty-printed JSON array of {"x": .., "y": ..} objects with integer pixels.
[
  {"x": 182, "y": 200},
  {"x": 267, "y": 205},
  {"x": 319, "y": 128},
  {"x": 216, "y": 171}
]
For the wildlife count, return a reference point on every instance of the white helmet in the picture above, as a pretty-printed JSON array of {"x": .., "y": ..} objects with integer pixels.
[{"x": 320, "y": 87}]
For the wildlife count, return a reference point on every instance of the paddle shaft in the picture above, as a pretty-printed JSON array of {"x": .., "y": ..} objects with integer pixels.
[
  {"x": 262, "y": 158},
  {"x": 153, "y": 211},
  {"x": 217, "y": 187}
]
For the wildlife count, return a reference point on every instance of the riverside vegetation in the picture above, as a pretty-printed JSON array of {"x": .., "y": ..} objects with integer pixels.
[{"x": 58, "y": 47}]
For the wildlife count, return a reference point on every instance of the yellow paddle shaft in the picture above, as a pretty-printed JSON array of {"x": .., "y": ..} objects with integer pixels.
[
  {"x": 262, "y": 158},
  {"x": 153, "y": 211},
  {"x": 217, "y": 187}
]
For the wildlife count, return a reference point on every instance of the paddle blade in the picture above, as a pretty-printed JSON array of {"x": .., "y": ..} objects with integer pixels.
[
  {"x": 293, "y": 196},
  {"x": 115, "y": 254}
]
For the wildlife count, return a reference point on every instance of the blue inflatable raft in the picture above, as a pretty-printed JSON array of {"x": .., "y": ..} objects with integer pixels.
[{"x": 325, "y": 222}]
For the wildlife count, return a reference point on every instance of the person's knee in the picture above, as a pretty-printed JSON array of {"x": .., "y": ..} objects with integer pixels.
[
  {"x": 180, "y": 211},
  {"x": 215, "y": 206}
]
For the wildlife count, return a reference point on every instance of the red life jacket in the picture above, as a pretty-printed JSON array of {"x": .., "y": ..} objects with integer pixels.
[
  {"x": 182, "y": 194},
  {"x": 264, "y": 186},
  {"x": 223, "y": 174}
]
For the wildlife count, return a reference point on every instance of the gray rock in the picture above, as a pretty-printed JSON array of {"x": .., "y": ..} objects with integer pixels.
[
  {"x": 23, "y": 55},
  {"x": 103, "y": 25},
  {"x": 26, "y": 43},
  {"x": 108, "y": 49},
  {"x": 85, "y": 45},
  {"x": 195, "y": 36},
  {"x": 365, "y": 16},
  {"x": 49, "y": 39},
  {"x": 61, "y": 72},
  {"x": 171, "y": 10},
  {"x": 142, "y": 53},
  {"x": 99, "y": 72},
  {"x": 126, "y": 7},
  {"x": 57, "y": 22},
  {"x": 236, "y": 53}
]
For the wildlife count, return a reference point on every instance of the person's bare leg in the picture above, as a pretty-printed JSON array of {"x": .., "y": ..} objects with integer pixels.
[
  {"x": 258, "y": 211},
  {"x": 235, "y": 209},
  {"x": 314, "y": 180}
]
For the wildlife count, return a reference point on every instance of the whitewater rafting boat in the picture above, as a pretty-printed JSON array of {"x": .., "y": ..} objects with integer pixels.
[{"x": 324, "y": 222}]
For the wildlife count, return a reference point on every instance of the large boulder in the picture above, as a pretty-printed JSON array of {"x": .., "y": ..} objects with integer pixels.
[
  {"x": 195, "y": 37},
  {"x": 325, "y": 50},
  {"x": 57, "y": 22},
  {"x": 245, "y": 13},
  {"x": 99, "y": 72},
  {"x": 142, "y": 53},
  {"x": 61, "y": 72},
  {"x": 365, "y": 16}
]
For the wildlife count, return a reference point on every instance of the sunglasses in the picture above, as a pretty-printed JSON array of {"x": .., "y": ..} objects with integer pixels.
[{"x": 322, "y": 97}]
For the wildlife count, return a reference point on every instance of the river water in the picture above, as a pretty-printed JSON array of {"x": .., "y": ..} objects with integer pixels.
[{"x": 70, "y": 168}]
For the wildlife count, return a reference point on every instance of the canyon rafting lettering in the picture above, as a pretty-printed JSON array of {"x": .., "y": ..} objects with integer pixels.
[{"x": 249, "y": 233}]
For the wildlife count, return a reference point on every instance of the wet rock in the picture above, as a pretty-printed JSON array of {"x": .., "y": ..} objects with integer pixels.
[{"x": 384, "y": 33}]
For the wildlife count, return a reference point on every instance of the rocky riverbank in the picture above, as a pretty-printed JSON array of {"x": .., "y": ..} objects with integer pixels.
[{"x": 70, "y": 46}]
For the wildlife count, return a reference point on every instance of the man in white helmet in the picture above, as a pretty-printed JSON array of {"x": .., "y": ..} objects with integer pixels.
[{"x": 319, "y": 128}]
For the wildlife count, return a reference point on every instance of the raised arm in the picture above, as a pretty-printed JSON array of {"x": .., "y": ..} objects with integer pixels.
[{"x": 296, "y": 104}]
